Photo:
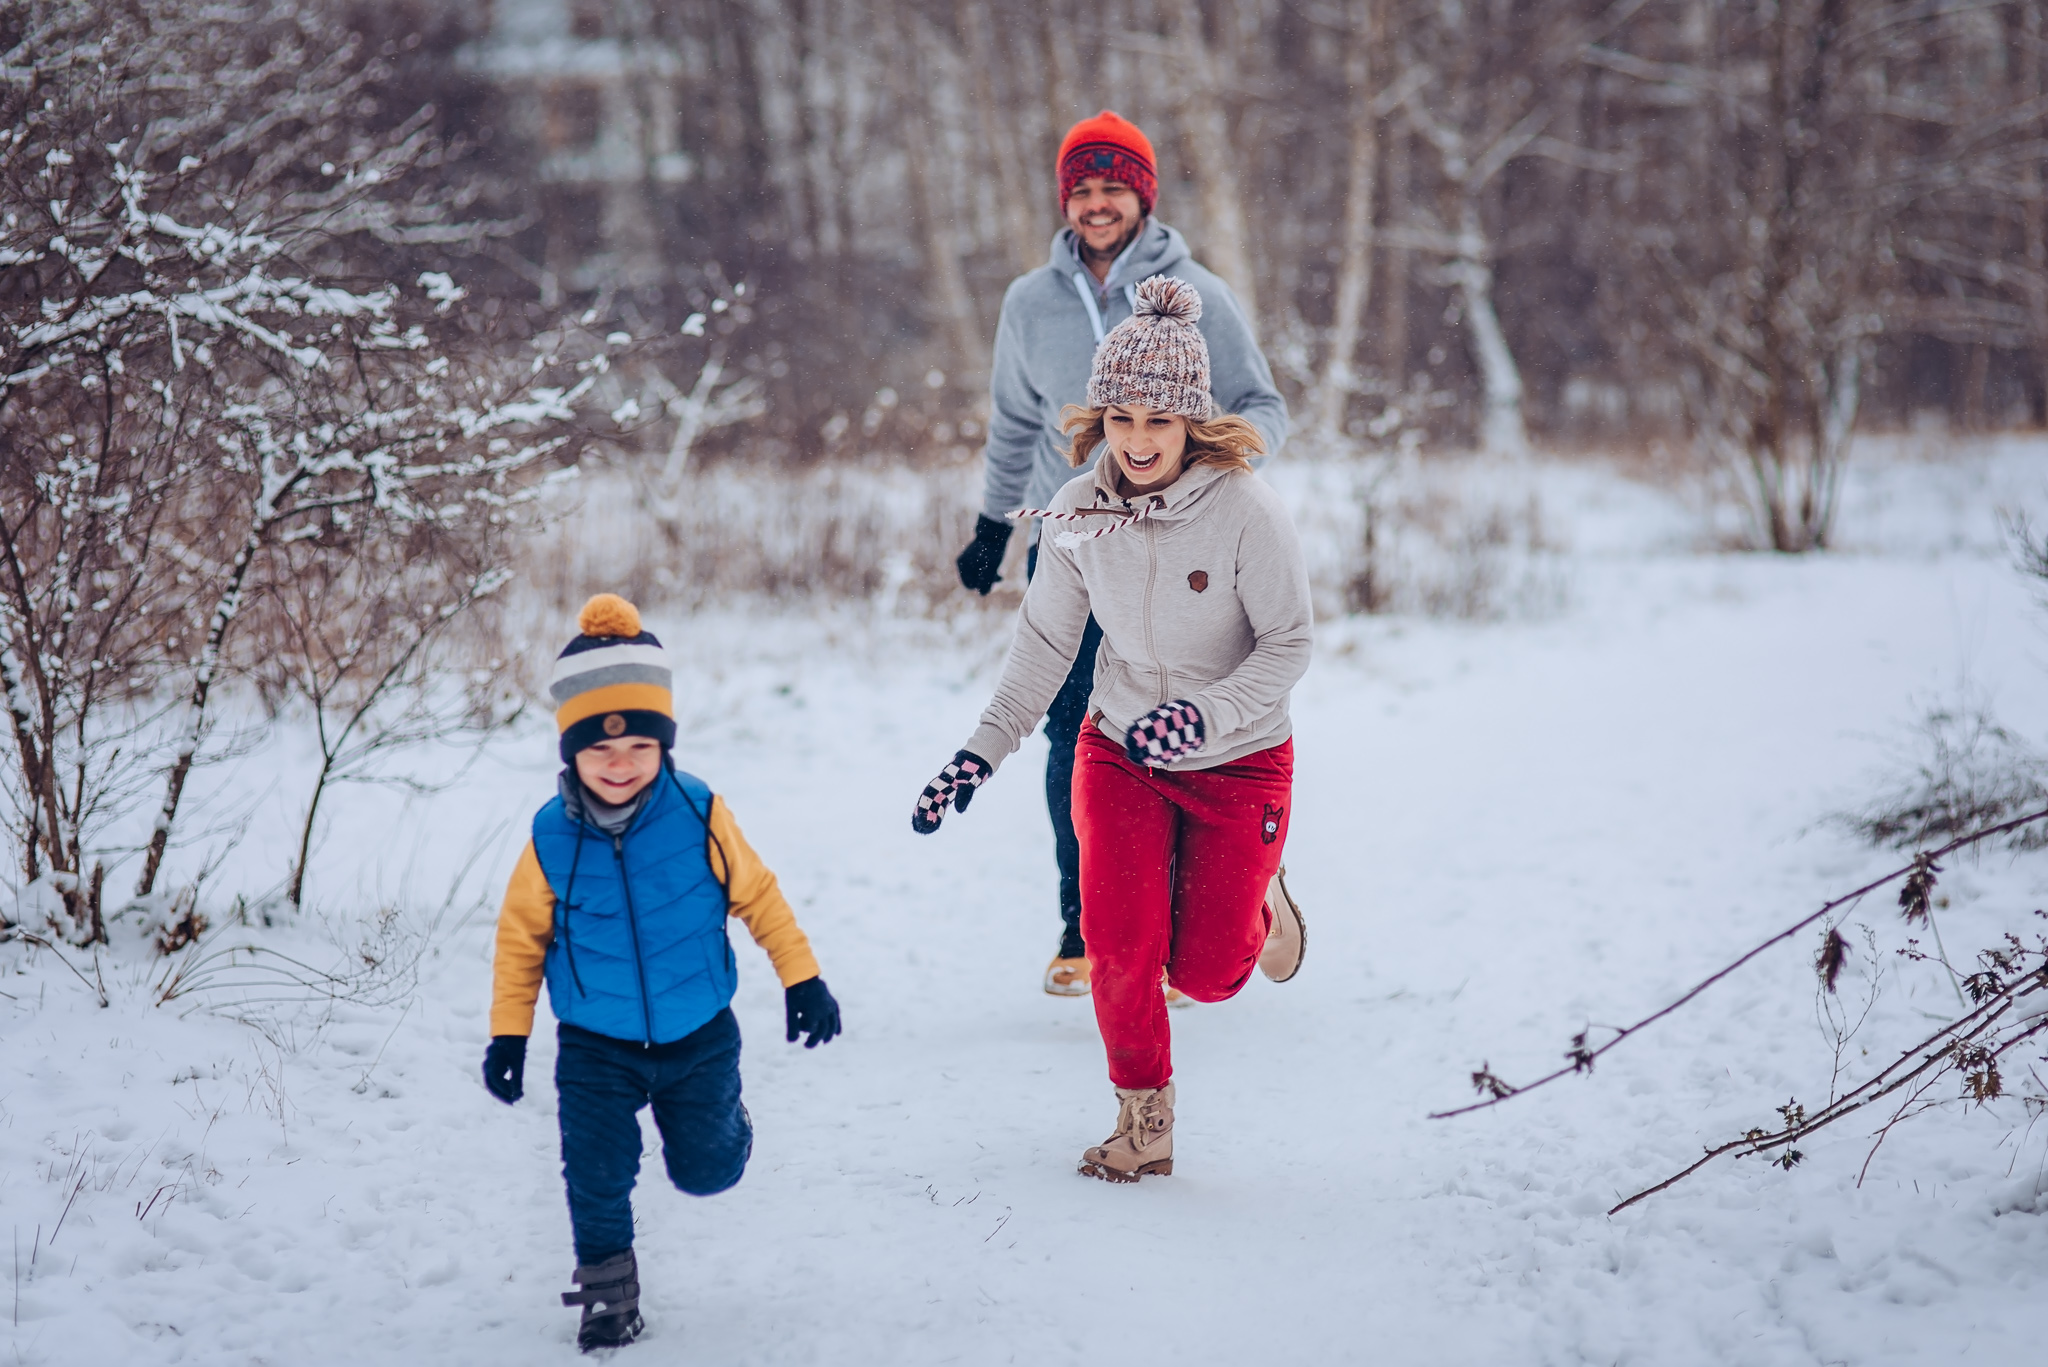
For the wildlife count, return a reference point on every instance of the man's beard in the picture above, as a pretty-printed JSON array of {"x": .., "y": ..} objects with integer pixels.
[{"x": 1092, "y": 257}]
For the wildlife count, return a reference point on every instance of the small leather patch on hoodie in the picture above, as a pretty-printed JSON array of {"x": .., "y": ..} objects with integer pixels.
[{"x": 1198, "y": 580}]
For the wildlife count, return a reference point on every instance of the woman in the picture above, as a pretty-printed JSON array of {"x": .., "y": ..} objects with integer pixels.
[{"x": 1182, "y": 777}]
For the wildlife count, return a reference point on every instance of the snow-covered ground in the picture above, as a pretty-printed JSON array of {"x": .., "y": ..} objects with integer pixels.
[{"x": 1502, "y": 832}]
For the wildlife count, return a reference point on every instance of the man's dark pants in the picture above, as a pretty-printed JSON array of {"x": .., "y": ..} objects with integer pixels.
[
  {"x": 1063, "y": 729},
  {"x": 694, "y": 1086}
]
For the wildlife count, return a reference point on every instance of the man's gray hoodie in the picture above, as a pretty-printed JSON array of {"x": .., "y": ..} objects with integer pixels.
[{"x": 1045, "y": 346}]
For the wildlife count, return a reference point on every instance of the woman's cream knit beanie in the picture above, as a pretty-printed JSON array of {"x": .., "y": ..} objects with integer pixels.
[{"x": 1156, "y": 357}]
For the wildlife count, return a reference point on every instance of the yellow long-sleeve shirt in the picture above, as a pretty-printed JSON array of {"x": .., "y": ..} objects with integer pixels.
[{"x": 526, "y": 923}]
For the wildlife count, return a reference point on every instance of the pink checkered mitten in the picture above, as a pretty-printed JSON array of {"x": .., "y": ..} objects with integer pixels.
[
  {"x": 955, "y": 784},
  {"x": 1165, "y": 734}
]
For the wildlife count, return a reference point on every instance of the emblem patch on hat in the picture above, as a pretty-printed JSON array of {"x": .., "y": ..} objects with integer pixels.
[
  {"x": 1198, "y": 580},
  {"x": 615, "y": 725}
]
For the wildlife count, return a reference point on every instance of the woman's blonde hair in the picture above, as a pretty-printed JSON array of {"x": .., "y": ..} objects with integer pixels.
[{"x": 1229, "y": 440}]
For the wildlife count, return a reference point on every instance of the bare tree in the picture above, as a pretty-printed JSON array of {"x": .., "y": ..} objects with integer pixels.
[
  {"x": 356, "y": 630},
  {"x": 1354, "y": 266},
  {"x": 1369, "y": 98},
  {"x": 206, "y": 243},
  {"x": 1483, "y": 97},
  {"x": 1856, "y": 172},
  {"x": 1562, "y": 194},
  {"x": 1022, "y": 215},
  {"x": 1198, "y": 78},
  {"x": 923, "y": 96},
  {"x": 2030, "y": 54},
  {"x": 90, "y": 613}
]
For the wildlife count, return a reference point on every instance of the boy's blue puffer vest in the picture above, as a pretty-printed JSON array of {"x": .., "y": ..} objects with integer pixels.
[{"x": 639, "y": 951}]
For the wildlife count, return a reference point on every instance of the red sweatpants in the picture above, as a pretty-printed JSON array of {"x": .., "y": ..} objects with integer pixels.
[{"x": 1174, "y": 868}]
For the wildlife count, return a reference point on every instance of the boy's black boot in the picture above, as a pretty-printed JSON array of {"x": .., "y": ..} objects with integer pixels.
[{"x": 611, "y": 1303}]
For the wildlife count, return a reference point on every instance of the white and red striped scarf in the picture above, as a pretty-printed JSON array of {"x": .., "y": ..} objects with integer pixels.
[{"x": 1069, "y": 540}]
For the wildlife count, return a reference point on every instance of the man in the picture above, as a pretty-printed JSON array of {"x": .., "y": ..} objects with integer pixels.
[{"x": 1053, "y": 318}]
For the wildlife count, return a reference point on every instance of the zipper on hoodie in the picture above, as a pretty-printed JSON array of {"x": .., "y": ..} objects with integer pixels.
[
  {"x": 633, "y": 929},
  {"x": 1151, "y": 578}
]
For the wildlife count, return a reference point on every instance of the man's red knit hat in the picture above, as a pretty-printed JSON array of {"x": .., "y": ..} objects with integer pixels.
[{"x": 1109, "y": 146}]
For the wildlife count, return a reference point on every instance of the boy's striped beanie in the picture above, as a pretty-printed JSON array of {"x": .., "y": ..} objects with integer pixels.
[{"x": 613, "y": 680}]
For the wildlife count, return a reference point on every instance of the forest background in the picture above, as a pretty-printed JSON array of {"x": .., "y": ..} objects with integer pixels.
[
  {"x": 1748, "y": 226},
  {"x": 315, "y": 311},
  {"x": 755, "y": 250},
  {"x": 1697, "y": 347}
]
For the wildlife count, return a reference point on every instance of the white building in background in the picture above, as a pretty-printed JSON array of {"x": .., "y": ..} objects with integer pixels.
[{"x": 598, "y": 103}]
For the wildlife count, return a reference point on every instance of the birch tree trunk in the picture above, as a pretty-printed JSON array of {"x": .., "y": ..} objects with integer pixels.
[
  {"x": 1394, "y": 262},
  {"x": 2034, "y": 212},
  {"x": 999, "y": 133},
  {"x": 937, "y": 205},
  {"x": 1224, "y": 248},
  {"x": 1501, "y": 431},
  {"x": 1062, "y": 72},
  {"x": 1836, "y": 426},
  {"x": 779, "y": 78},
  {"x": 193, "y": 724},
  {"x": 817, "y": 99},
  {"x": 1354, "y": 266},
  {"x": 32, "y": 751}
]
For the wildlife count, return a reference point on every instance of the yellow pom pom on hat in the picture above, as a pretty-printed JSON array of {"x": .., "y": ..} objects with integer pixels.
[
  {"x": 607, "y": 614},
  {"x": 613, "y": 680}
]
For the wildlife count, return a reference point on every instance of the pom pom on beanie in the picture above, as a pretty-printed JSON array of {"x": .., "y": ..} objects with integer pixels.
[
  {"x": 1161, "y": 296},
  {"x": 607, "y": 614},
  {"x": 1156, "y": 358}
]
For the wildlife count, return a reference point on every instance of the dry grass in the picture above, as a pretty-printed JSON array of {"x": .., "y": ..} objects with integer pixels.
[
  {"x": 829, "y": 533},
  {"x": 1438, "y": 537}
]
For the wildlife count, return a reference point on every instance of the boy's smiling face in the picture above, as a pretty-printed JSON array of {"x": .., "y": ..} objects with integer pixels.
[{"x": 616, "y": 770}]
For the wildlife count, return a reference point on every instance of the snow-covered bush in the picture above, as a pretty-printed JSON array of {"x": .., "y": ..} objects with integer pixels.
[{"x": 230, "y": 339}]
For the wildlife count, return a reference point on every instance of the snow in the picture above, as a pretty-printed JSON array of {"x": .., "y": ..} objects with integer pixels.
[{"x": 1503, "y": 831}]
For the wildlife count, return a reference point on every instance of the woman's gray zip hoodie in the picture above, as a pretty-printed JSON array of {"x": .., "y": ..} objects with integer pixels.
[{"x": 1205, "y": 598}]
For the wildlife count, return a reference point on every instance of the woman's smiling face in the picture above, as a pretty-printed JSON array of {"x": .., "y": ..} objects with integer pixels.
[{"x": 1150, "y": 447}]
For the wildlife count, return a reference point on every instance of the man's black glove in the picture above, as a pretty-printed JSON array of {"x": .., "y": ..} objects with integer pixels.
[
  {"x": 505, "y": 1067},
  {"x": 811, "y": 1011},
  {"x": 984, "y": 556}
]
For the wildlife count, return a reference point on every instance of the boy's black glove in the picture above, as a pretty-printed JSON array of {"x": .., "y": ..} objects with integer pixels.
[
  {"x": 955, "y": 784},
  {"x": 505, "y": 1067},
  {"x": 1165, "y": 734},
  {"x": 984, "y": 555},
  {"x": 811, "y": 1010}
]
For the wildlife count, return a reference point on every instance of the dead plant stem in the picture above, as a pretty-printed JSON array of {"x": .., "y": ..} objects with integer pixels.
[{"x": 1582, "y": 1059}]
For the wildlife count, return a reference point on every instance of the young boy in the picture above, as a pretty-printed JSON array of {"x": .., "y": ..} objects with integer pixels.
[{"x": 620, "y": 902}]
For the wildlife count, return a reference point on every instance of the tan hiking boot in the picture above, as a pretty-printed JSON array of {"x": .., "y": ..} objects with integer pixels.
[
  {"x": 1066, "y": 978},
  {"x": 1286, "y": 936},
  {"x": 1143, "y": 1143}
]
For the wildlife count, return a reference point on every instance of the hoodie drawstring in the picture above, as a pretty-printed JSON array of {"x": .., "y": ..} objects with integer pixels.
[
  {"x": 568, "y": 944},
  {"x": 1094, "y": 309},
  {"x": 711, "y": 837},
  {"x": 1069, "y": 540}
]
